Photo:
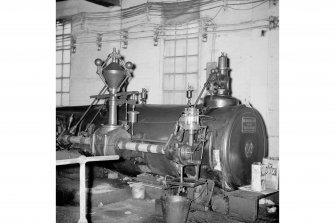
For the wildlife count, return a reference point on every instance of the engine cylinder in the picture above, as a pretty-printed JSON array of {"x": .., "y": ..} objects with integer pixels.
[{"x": 236, "y": 139}]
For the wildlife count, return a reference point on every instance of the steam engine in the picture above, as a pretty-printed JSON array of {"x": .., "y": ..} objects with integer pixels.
[{"x": 217, "y": 139}]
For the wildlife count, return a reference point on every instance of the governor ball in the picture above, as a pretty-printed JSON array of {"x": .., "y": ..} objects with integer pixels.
[
  {"x": 129, "y": 65},
  {"x": 98, "y": 62}
]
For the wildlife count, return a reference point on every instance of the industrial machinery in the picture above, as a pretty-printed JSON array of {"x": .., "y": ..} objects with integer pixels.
[{"x": 216, "y": 140}]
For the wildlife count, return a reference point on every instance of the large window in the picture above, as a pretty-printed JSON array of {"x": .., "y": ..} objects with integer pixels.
[
  {"x": 180, "y": 63},
  {"x": 63, "y": 62}
]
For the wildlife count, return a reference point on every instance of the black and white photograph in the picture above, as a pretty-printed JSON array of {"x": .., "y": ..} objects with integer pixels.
[{"x": 167, "y": 111}]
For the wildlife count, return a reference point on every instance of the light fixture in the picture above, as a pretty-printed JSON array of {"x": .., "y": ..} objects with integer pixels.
[
  {"x": 73, "y": 44},
  {"x": 124, "y": 39},
  {"x": 273, "y": 22},
  {"x": 156, "y": 38},
  {"x": 99, "y": 41},
  {"x": 204, "y": 34}
]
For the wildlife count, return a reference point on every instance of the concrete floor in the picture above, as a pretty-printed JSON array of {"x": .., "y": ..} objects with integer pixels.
[
  {"x": 111, "y": 202},
  {"x": 141, "y": 211}
]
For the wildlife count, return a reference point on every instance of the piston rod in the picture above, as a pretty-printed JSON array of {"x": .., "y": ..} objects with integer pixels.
[
  {"x": 141, "y": 147},
  {"x": 121, "y": 143}
]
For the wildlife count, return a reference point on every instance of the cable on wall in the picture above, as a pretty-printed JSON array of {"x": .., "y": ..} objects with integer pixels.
[{"x": 113, "y": 25}]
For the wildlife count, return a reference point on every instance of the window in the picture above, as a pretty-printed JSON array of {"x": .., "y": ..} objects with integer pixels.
[
  {"x": 181, "y": 59},
  {"x": 63, "y": 62}
]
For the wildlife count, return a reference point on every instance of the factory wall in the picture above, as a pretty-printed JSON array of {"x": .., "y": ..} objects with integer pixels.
[{"x": 254, "y": 61}]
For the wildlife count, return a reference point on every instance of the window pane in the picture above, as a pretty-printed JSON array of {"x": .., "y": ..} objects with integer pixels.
[
  {"x": 58, "y": 70},
  {"x": 169, "y": 48},
  {"x": 65, "y": 99},
  {"x": 192, "y": 80},
  {"x": 180, "y": 47},
  {"x": 66, "y": 70},
  {"x": 59, "y": 42},
  {"x": 58, "y": 99},
  {"x": 179, "y": 83},
  {"x": 180, "y": 64},
  {"x": 66, "y": 55},
  {"x": 58, "y": 85},
  {"x": 67, "y": 42},
  {"x": 192, "y": 64},
  {"x": 192, "y": 46},
  {"x": 168, "y": 81},
  {"x": 59, "y": 56},
  {"x": 66, "y": 85},
  {"x": 67, "y": 28},
  {"x": 169, "y": 65},
  {"x": 59, "y": 30}
]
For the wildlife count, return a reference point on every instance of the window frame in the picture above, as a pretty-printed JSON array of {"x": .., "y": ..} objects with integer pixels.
[
  {"x": 187, "y": 37},
  {"x": 63, "y": 38}
]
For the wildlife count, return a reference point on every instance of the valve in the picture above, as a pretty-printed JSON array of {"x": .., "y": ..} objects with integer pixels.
[{"x": 189, "y": 95}]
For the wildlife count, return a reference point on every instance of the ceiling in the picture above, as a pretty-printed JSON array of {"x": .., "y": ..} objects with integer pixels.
[{"x": 105, "y": 3}]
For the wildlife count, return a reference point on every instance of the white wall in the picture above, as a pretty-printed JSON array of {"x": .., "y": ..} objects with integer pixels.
[{"x": 254, "y": 62}]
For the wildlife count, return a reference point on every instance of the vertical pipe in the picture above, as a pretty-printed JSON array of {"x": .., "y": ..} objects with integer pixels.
[
  {"x": 82, "y": 218},
  {"x": 181, "y": 174},
  {"x": 132, "y": 129},
  {"x": 190, "y": 137},
  {"x": 112, "y": 118}
]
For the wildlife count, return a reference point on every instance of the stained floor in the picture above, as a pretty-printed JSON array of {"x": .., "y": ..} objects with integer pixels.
[{"x": 111, "y": 202}]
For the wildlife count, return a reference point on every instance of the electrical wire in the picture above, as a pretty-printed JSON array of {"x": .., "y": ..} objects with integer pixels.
[
  {"x": 250, "y": 7},
  {"x": 247, "y": 3},
  {"x": 86, "y": 26},
  {"x": 217, "y": 13}
]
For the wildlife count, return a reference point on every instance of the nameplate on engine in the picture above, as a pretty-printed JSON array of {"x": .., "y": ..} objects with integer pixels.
[{"x": 248, "y": 124}]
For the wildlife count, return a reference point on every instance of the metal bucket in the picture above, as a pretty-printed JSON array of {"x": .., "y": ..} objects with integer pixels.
[
  {"x": 175, "y": 209},
  {"x": 138, "y": 191}
]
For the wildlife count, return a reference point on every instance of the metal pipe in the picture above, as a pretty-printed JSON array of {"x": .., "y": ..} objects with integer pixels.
[
  {"x": 75, "y": 139},
  {"x": 85, "y": 159},
  {"x": 141, "y": 147},
  {"x": 102, "y": 106},
  {"x": 103, "y": 90},
  {"x": 112, "y": 118},
  {"x": 181, "y": 174},
  {"x": 190, "y": 137},
  {"x": 201, "y": 92},
  {"x": 82, "y": 194}
]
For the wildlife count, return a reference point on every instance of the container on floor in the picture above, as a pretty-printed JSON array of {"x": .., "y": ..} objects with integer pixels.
[
  {"x": 138, "y": 191},
  {"x": 175, "y": 209}
]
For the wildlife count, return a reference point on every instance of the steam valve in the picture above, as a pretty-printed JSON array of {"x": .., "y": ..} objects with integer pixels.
[
  {"x": 144, "y": 96},
  {"x": 189, "y": 95}
]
